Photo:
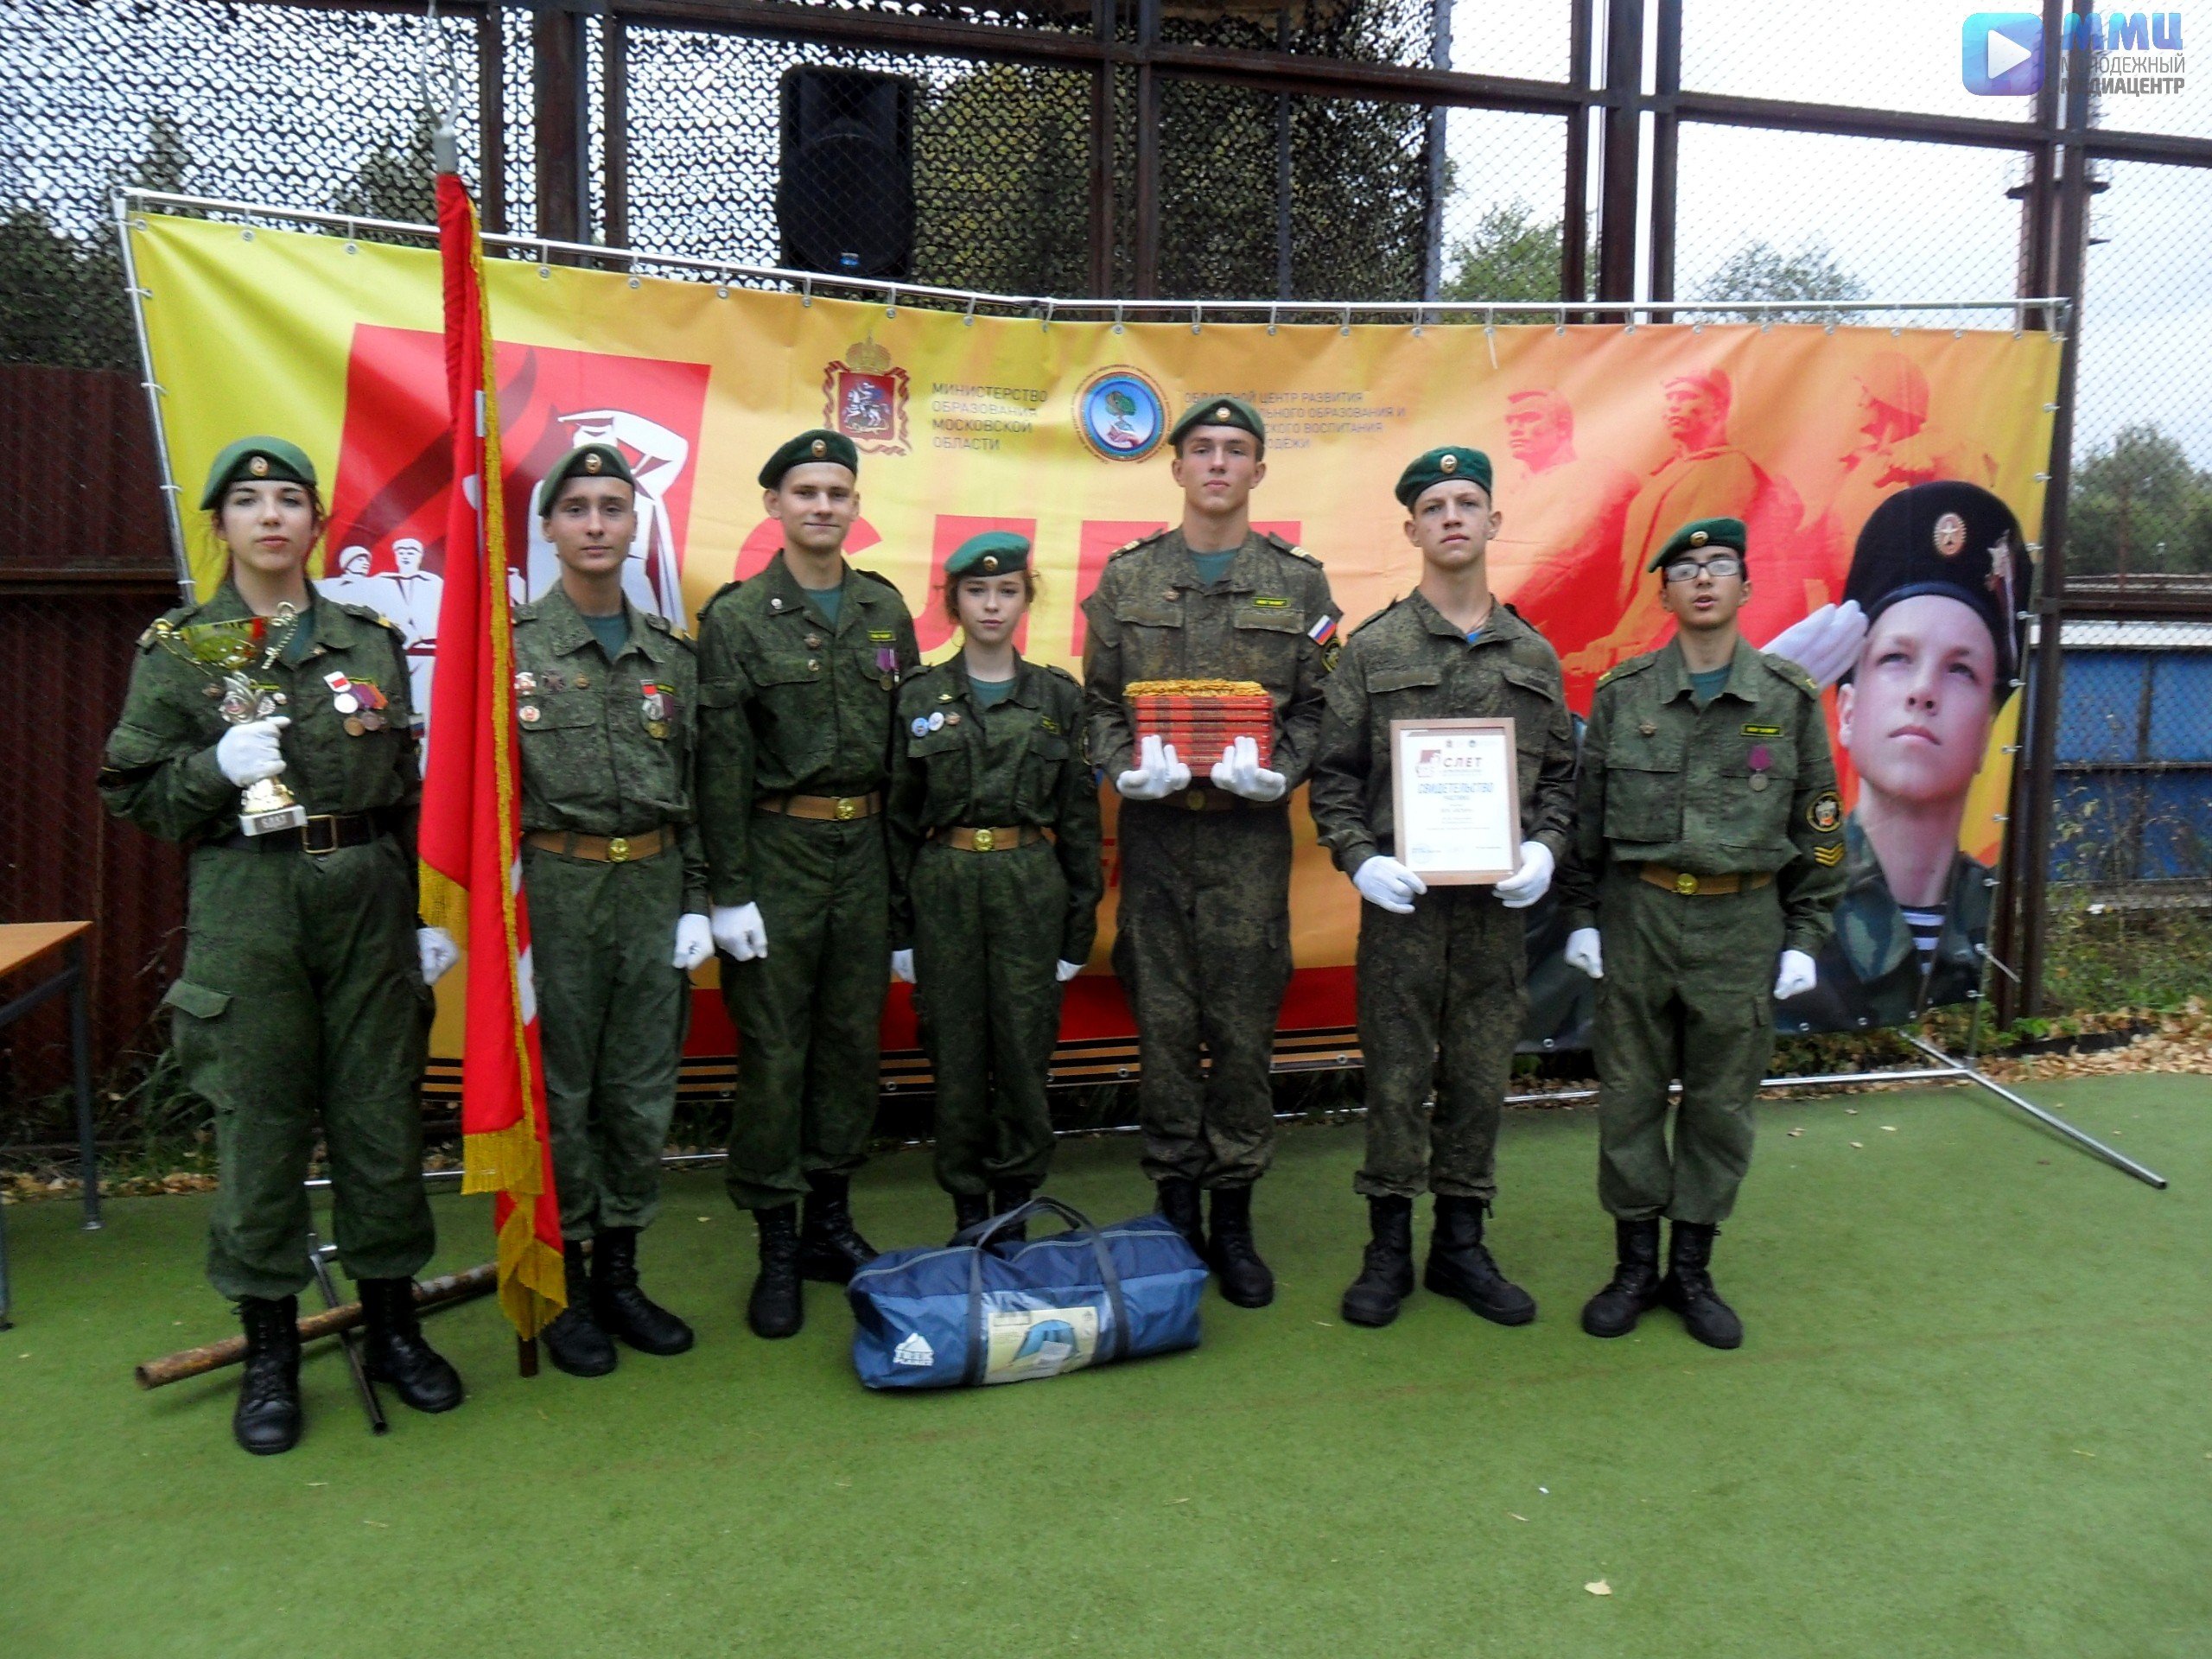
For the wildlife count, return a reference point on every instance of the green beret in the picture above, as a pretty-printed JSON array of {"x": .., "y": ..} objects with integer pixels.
[
  {"x": 993, "y": 553},
  {"x": 1701, "y": 533},
  {"x": 820, "y": 444},
  {"x": 1448, "y": 465},
  {"x": 585, "y": 460},
  {"x": 1956, "y": 540},
  {"x": 257, "y": 460},
  {"x": 1219, "y": 411}
]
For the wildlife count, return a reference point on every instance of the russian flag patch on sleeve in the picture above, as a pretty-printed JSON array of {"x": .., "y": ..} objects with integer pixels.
[{"x": 1321, "y": 630}]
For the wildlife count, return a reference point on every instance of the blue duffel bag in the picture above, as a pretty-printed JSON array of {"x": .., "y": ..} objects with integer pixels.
[{"x": 977, "y": 1310}]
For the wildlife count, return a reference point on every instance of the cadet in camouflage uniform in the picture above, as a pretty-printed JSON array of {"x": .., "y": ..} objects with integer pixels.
[
  {"x": 1442, "y": 969},
  {"x": 1708, "y": 853},
  {"x": 303, "y": 1010},
  {"x": 605, "y": 695},
  {"x": 798, "y": 669},
  {"x": 995, "y": 855},
  {"x": 1203, "y": 931}
]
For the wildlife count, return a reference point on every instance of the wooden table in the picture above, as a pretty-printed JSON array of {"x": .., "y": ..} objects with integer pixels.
[{"x": 22, "y": 945}]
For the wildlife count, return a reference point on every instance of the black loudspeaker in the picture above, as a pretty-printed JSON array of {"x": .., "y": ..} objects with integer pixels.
[{"x": 845, "y": 201}]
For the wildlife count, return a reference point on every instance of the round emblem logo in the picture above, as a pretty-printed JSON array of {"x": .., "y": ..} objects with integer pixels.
[
  {"x": 1826, "y": 812},
  {"x": 1950, "y": 534},
  {"x": 1121, "y": 414},
  {"x": 258, "y": 466}
]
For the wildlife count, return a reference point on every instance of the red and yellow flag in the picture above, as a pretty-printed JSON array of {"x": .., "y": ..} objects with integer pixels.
[{"x": 472, "y": 810}]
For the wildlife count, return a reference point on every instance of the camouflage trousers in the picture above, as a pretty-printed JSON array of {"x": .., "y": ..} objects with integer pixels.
[
  {"x": 987, "y": 934},
  {"x": 612, "y": 1016},
  {"x": 1441, "y": 1004},
  {"x": 1202, "y": 945},
  {"x": 809, "y": 1014},
  {"x": 1688, "y": 994},
  {"x": 301, "y": 1014}
]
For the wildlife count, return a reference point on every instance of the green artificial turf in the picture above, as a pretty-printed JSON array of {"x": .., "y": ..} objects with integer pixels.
[{"x": 1971, "y": 1418}]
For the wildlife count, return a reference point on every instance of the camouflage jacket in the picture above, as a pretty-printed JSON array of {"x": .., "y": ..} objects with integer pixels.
[
  {"x": 792, "y": 705},
  {"x": 1407, "y": 662},
  {"x": 1019, "y": 762},
  {"x": 608, "y": 748},
  {"x": 1150, "y": 618},
  {"x": 1870, "y": 970},
  {"x": 160, "y": 771},
  {"x": 1746, "y": 785}
]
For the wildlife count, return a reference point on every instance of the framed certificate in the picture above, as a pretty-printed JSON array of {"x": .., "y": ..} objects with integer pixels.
[{"x": 1457, "y": 798}]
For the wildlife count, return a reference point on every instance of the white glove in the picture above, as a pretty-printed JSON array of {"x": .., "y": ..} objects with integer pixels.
[
  {"x": 695, "y": 941},
  {"x": 1532, "y": 881},
  {"x": 249, "y": 753},
  {"x": 435, "y": 950},
  {"x": 1386, "y": 882},
  {"x": 1797, "y": 975},
  {"x": 1158, "y": 775},
  {"x": 1066, "y": 971},
  {"x": 1826, "y": 643},
  {"x": 1584, "y": 952},
  {"x": 1240, "y": 773},
  {"x": 737, "y": 929},
  {"x": 902, "y": 966}
]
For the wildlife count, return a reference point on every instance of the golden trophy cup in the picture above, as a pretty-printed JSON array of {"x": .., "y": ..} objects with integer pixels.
[{"x": 266, "y": 806}]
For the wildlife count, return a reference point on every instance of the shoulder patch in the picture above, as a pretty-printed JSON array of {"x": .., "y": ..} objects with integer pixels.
[
  {"x": 1282, "y": 544},
  {"x": 1789, "y": 674},
  {"x": 1377, "y": 616},
  {"x": 1825, "y": 811}
]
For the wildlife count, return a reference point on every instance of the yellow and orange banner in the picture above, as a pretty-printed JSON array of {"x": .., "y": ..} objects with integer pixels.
[{"x": 1605, "y": 438}]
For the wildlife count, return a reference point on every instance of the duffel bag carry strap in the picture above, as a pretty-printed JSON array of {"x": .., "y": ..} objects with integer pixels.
[{"x": 979, "y": 1236}]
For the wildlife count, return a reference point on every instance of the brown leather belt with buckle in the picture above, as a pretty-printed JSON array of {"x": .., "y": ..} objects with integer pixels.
[
  {"x": 841, "y": 809},
  {"x": 600, "y": 849},
  {"x": 1700, "y": 887},
  {"x": 319, "y": 836},
  {"x": 1205, "y": 797},
  {"x": 967, "y": 840}
]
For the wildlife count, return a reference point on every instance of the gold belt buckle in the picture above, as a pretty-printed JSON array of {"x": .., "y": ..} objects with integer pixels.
[
  {"x": 985, "y": 841},
  {"x": 618, "y": 849},
  {"x": 847, "y": 807},
  {"x": 1685, "y": 883},
  {"x": 320, "y": 844},
  {"x": 1196, "y": 800}
]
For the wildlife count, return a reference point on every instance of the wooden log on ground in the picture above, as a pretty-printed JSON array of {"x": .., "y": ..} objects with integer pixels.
[{"x": 430, "y": 1293}]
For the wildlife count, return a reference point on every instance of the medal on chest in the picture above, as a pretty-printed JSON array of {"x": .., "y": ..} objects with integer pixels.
[
  {"x": 656, "y": 707},
  {"x": 1759, "y": 760}
]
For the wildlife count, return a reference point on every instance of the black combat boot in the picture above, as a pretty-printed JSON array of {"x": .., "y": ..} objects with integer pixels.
[
  {"x": 969, "y": 1210},
  {"x": 621, "y": 1307},
  {"x": 1634, "y": 1289},
  {"x": 1179, "y": 1203},
  {"x": 778, "y": 1306},
  {"x": 831, "y": 1247},
  {"x": 1386, "y": 1278},
  {"x": 1460, "y": 1265},
  {"x": 268, "y": 1418},
  {"x": 1004, "y": 1201},
  {"x": 396, "y": 1353},
  {"x": 574, "y": 1340},
  {"x": 1688, "y": 1288},
  {"x": 1235, "y": 1261}
]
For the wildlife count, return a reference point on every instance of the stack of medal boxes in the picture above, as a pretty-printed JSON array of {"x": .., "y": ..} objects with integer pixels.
[{"x": 1200, "y": 718}]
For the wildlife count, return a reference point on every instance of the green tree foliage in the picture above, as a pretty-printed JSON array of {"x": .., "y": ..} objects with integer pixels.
[
  {"x": 1759, "y": 270},
  {"x": 1510, "y": 254},
  {"x": 2138, "y": 505}
]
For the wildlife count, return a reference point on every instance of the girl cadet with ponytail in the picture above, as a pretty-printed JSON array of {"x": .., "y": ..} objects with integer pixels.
[
  {"x": 303, "y": 1010},
  {"x": 995, "y": 846}
]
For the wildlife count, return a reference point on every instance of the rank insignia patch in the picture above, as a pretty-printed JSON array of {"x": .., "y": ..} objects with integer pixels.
[{"x": 1830, "y": 856}]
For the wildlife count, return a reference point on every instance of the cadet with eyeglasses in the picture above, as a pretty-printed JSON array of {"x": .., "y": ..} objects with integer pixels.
[{"x": 1707, "y": 855}]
